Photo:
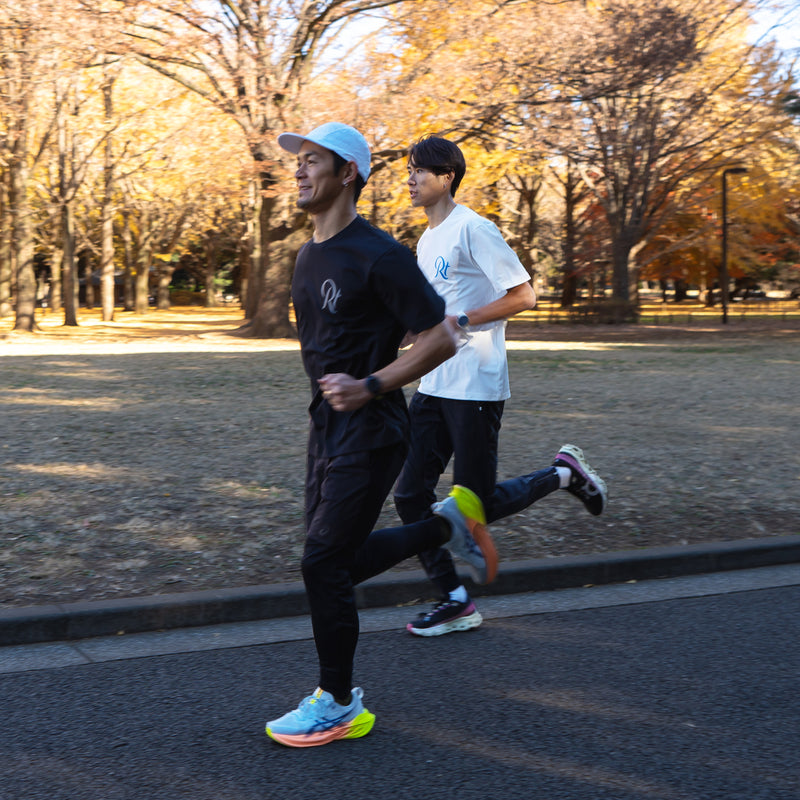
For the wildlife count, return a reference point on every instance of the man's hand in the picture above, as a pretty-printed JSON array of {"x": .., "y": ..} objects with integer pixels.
[
  {"x": 460, "y": 336},
  {"x": 344, "y": 392}
]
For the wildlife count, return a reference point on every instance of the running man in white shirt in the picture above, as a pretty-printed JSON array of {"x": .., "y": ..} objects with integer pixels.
[{"x": 458, "y": 408}]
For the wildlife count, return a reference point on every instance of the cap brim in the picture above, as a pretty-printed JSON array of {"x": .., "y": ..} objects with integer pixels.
[{"x": 291, "y": 142}]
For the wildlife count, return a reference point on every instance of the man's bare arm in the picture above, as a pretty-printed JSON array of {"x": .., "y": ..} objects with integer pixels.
[{"x": 518, "y": 298}]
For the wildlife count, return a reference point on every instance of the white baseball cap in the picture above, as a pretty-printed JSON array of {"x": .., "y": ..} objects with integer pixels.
[{"x": 343, "y": 140}]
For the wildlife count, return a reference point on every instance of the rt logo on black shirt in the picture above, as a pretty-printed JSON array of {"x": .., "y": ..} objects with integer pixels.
[{"x": 330, "y": 296}]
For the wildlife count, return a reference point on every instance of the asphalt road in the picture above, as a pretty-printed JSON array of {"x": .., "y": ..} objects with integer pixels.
[{"x": 641, "y": 692}]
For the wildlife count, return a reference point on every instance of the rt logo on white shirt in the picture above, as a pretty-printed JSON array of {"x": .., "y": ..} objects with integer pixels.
[
  {"x": 441, "y": 266},
  {"x": 330, "y": 296}
]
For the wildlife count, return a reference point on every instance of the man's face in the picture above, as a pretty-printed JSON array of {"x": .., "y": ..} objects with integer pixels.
[
  {"x": 317, "y": 184},
  {"x": 425, "y": 188}
]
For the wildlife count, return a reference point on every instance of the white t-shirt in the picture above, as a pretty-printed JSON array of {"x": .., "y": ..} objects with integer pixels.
[{"x": 470, "y": 265}]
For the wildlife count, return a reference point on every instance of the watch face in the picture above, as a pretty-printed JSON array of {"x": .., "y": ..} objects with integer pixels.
[{"x": 463, "y": 321}]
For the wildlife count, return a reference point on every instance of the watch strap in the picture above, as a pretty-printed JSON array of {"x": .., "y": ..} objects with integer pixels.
[{"x": 373, "y": 385}]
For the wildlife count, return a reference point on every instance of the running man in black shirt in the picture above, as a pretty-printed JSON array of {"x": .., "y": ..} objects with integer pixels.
[{"x": 356, "y": 292}]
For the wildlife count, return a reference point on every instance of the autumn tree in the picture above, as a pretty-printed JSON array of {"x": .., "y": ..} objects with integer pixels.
[
  {"x": 41, "y": 69},
  {"x": 176, "y": 171},
  {"x": 660, "y": 92},
  {"x": 28, "y": 33},
  {"x": 638, "y": 97},
  {"x": 251, "y": 61},
  {"x": 762, "y": 238},
  {"x": 72, "y": 165}
]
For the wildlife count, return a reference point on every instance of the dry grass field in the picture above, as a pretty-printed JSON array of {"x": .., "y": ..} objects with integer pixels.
[{"x": 162, "y": 453}]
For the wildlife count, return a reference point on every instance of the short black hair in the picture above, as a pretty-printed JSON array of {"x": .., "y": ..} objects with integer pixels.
[
  {"x": 338, "y": 164},
  {"x": 440, "y": 156}
]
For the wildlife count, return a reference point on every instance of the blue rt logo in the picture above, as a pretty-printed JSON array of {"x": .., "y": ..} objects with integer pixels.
[{"x": 441, "y": 268}]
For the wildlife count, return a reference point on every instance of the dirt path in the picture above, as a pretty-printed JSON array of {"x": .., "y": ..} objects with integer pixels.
[{"x": 163, "y": 454}]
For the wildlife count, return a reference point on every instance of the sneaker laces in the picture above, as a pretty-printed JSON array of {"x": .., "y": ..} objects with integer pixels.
[
  {"x": 306, "y": 708},
  {"x": 439, "y": 606}
]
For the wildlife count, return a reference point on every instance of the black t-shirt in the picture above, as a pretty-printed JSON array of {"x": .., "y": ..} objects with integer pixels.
[{"x": 355, "y": 296}]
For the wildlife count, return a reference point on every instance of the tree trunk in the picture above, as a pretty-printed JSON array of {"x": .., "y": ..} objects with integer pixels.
[
  {"x": 620, "y": 249},
  {"x": 107, "y": 210},
  {"x": 69, "y": 265},
  {"x": 6, "y": 266},
  {"x": 142, "y": 304},
  {"x": 270, "y": 285},
  {"x": 164, "y": 279},
  {"x": 210, "y": 270},
  {"x": 635, "y": 271},
  {"x": 272, "y": 319},
  {"x": 244, "y": 262},
  {"x": 22, "y": 235},
  {"x": 26, "y": 285},
  {"x": 127, "y": 245},
  {"x": 56, "y": 264},
  {"x": 107, "y": 288},
  {"x": 634, "y": 285},
  {"x": 251, "y": 297},
  {"x": 85, "y": 268},
  {"x": 569, "y": 291}
]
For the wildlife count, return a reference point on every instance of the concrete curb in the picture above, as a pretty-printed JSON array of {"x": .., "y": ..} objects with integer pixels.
[{"x": 69, "y": 621}]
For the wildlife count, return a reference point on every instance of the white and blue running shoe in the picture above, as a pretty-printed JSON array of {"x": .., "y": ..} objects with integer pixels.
[
  {"x": 469, "y": 538},
  {"x": 319, "y": 719}
]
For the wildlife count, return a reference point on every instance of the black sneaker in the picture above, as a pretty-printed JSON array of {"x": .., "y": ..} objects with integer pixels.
[
  {"x": 585, "y": 484},
  {"x": 446, "y": 617}
]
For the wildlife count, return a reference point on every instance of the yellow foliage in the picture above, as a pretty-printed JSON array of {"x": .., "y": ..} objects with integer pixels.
[{"x": 503, "y": 80}]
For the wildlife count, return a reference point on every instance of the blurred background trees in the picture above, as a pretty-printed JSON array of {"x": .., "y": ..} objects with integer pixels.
[{"x": 139, "y": 164}]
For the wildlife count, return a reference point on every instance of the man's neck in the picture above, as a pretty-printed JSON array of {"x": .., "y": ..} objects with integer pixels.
[
  {"x": 439, "y": 211},
  {"x": 331, "y": 221}
]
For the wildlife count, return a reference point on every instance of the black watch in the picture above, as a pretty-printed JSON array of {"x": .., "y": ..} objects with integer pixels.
[
  {"x": 373, "y": 384},
  {"x": 462, "y": 320}
]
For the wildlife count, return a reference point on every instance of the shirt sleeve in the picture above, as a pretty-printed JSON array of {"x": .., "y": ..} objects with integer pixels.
[
  {"x": 493, "y": 256},
  {"x": 400, "y": 283}
]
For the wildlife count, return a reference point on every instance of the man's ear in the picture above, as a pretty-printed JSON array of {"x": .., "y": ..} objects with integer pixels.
[{"x": 349, "y": 173}]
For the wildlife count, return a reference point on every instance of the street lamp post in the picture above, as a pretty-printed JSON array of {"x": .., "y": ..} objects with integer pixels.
[{"x": 723, "y": 269}]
